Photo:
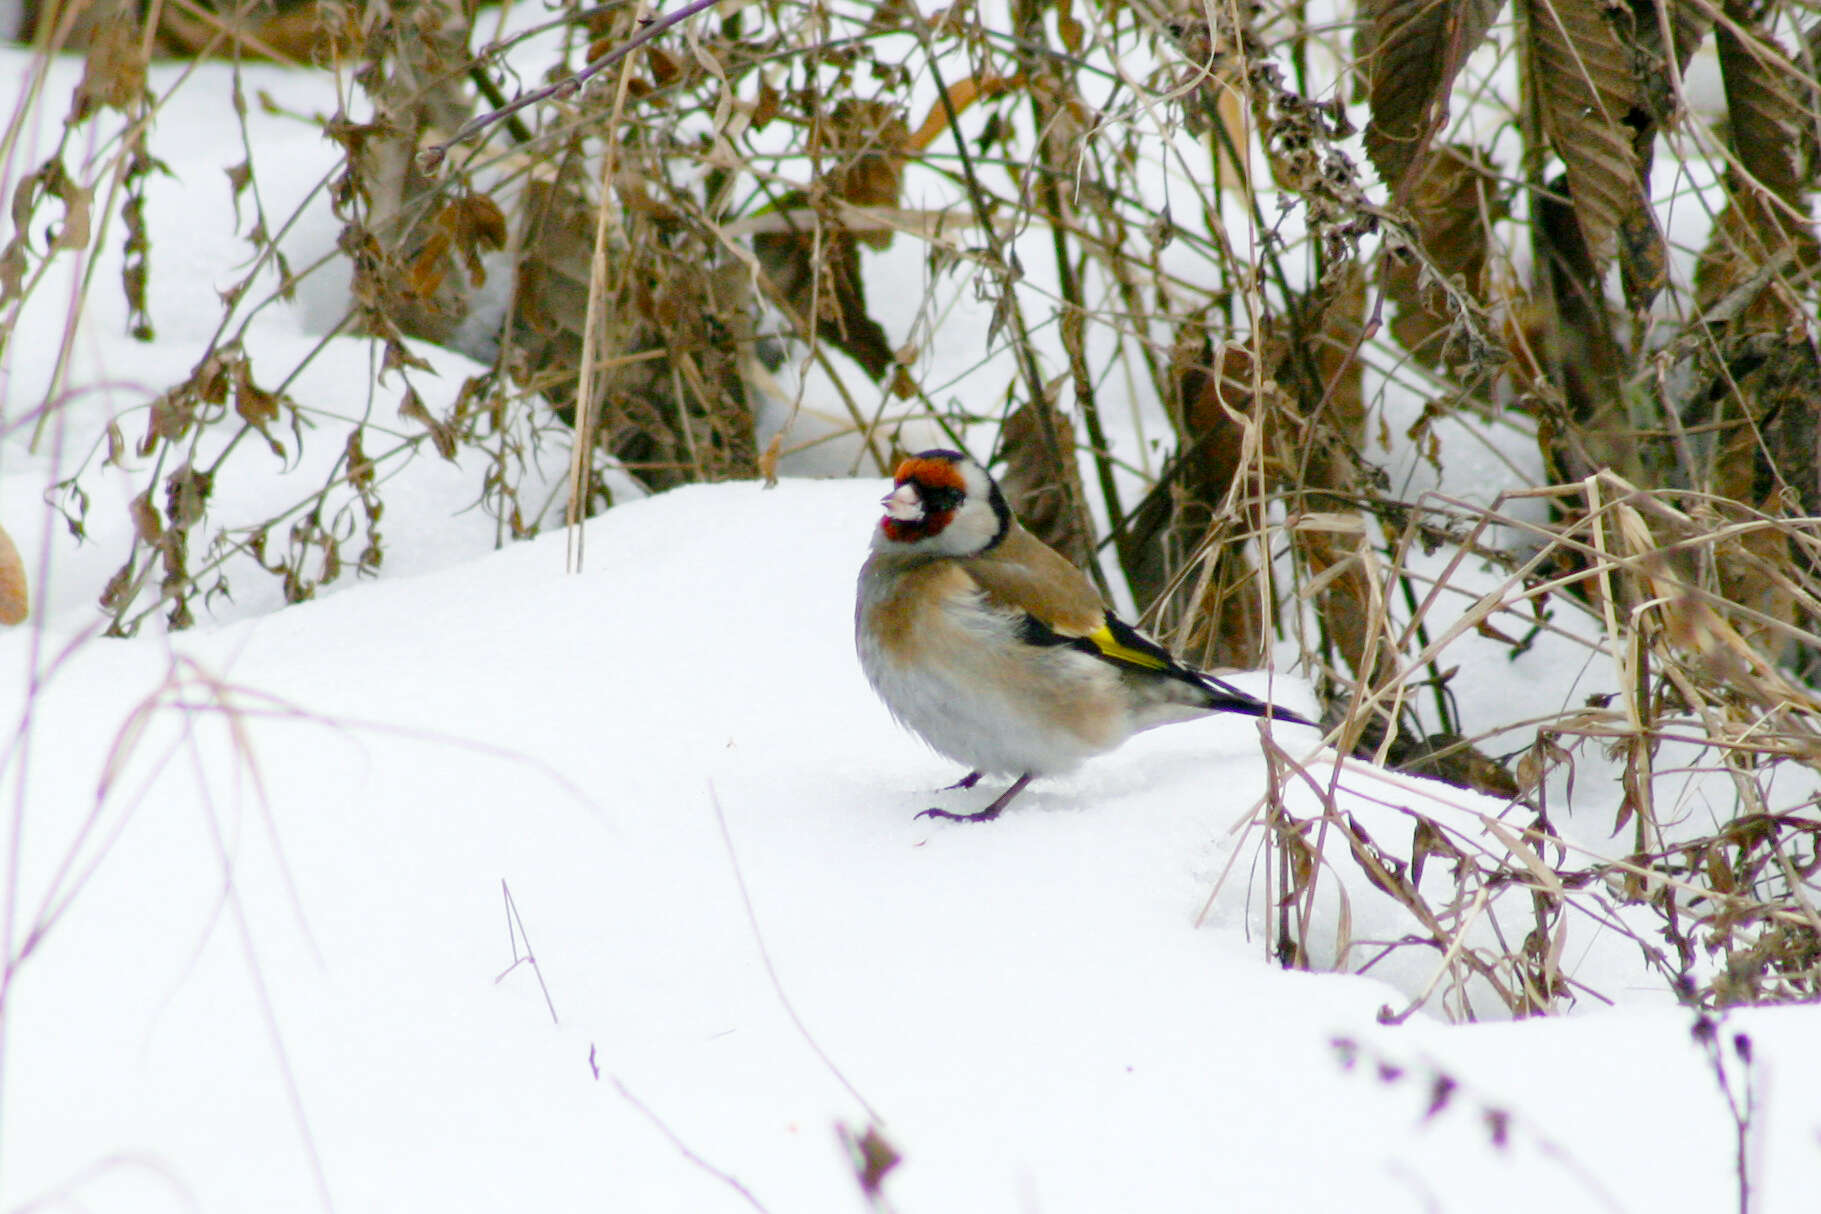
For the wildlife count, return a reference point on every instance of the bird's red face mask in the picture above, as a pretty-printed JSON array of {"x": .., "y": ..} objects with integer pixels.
[{"x": 924, "y": 500}]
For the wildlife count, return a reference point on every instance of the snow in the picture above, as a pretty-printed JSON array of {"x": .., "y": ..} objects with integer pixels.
[
  {"x": 1028, "y": 1006},
  {"x": 287, "y": 862}
]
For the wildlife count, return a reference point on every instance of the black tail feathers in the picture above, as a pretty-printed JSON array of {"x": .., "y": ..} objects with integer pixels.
[{"x": 1228, "y": 698}]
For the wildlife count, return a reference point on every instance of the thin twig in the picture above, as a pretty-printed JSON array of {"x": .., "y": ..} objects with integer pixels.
[
  {"x": 682, "y": 1147},
  {"x": 752, "y": 921},
  {"x": 431, "y": 158},
  {"x": 515, "y": 931}
]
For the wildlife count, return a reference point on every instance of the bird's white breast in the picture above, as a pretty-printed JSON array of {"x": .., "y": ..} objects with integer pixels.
[{"x": 953, "y": 670}]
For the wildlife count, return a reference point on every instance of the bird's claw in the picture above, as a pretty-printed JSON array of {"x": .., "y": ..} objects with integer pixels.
[{"x": 985, "y": 815}]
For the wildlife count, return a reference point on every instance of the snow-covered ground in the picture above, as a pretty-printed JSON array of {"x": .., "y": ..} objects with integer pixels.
[
  {"x": 271, "y": 885},
  {"x": 283, "y": 980}
]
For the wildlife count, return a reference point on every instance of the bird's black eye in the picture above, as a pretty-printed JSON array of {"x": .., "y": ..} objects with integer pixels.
[{"x": 940, "y": 499}]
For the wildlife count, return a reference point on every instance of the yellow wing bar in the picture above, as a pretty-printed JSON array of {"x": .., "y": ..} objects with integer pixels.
[{"x": 1111, "y": 646}]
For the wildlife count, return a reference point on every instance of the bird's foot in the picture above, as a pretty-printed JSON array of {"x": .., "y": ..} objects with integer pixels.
[
  {"x": 968, "y": 781},
  {"x": 985, "y": 815},
  {"x": 991, "y": 811}
]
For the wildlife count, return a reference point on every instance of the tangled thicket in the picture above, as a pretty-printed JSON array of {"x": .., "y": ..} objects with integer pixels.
[{"x": 1167, "y": 205}]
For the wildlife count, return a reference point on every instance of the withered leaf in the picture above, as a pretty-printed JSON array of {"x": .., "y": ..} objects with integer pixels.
[
  {"x": 1303, "y": 860},
  {"x": 169, "y": 417},
  {"x": 15, "y": 599},
  {"x": 664, "y": 67},
  {"x": 360, "y": 468},
  {"x": 213, "y": 377},
  {"x": 73, "y": 233},
  {"x": 114, "y": 594},
  {"x": 1628, "y": 807},
  {"x": 768, "y": 460},
  {"x": 1454, "y": 199},
  {"x": 764, "y": 106},
  {"x": 1068, "y": 28},
  {"x": 12, "y": 269},
  {"x": 1418, "y": 47},
  {"x": 442, "y": 434},
  {"x": 874, "y": 1158},
  {"x": 113, "y": 76},
  {"x": 1041, "y": 481},
  {"x": 256, "y": 406},
  {"x": 903, "y": 384},
  {"x": 51, "y": 180},
  {"x": 399, "y": 356},
  {"x": 1643, "y": 258},
  {"x": 148, "y": 527},
  {"x": 425, "y": 272},
  {"x": 475, "y": 224},
  {"x": 1768, "y": 105},
  {"x": 1385, "y": 872},
  {"x": 1429, "y": 840},
  {"x": 186, "y": 495},
  {"x": 830, "y": 295},
  {"x": 1587, "y": 88},
  {"x": 1450, "y": 757}
]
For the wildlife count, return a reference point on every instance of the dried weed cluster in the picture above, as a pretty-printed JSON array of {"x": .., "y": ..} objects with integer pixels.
[{"x": 1259, "y": 221}]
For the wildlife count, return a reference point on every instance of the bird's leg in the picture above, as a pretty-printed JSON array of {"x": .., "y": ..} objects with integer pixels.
[
  {"x": 968, "y": 781},
  {"x": 991, "y": 811}
]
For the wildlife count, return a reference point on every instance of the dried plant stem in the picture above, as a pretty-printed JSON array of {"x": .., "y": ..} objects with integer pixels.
[{"x": 432, "y": 156}]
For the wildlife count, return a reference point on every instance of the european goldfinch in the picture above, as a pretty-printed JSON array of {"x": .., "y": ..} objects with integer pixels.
[{"x": 996, "y": 650}]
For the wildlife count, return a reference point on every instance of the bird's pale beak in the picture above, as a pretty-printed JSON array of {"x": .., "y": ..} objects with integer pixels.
[{"x": 903, "y": 503}]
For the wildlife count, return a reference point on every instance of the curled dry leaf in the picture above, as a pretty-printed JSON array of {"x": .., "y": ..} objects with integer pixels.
[
  {"x": 825, "y": 292},
  {"x": 675, "y": 320},
  {"x": 148, "y": 525},
  {"x": 1417, "y": 47},
  {"x": 874, "y": 1157},
  {"x": 443, "y": 434},
  {"x": 816, "y": 274},
  {"x": 1041, "y": 480},
  {"x": 869, "y": 141},
  {"x": 1587, "y": 88},
  {"x": 1454, "y": 203},
  {"x": 1450, "y": 757},
  {"x": 15, "y": 601},
  {"x": 1212, "y": 72},
  {"x": 465, "y": 229},
  {"x": 114, "y": 76},
  {"x": 1771, "y": 108},
  {"x": 1768, "y": 105},
  {"x": 1183, "y": 511},
  {"x": 1763, "y": 406}
]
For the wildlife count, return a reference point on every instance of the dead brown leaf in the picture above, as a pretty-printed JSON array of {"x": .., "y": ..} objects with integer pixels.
[
  {"x": 1586, "y": 86},
  {"x": 1041, "y": 481},
  {"x": 1453, "y": 203},
  {"x": 15, "y": 598},
  {"x": 1417, "y": 49}
]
